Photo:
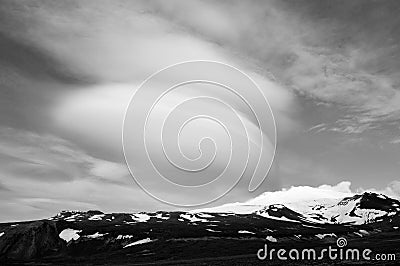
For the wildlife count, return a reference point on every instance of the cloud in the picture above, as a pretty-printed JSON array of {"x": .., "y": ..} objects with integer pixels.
[
  {"x": 60, "y": 175},
  {"x": 303, "y": 193},
  {"x": 48, "y": 158},
  {"x": 394, "y": 187},
  {"x": 320, "y": 57},
  {"x": 83, "y": 65},
  {"x": 326, "y": 191},
  {"x": 342, "y": 54},
  {"x": 392, "y": 190},
  {"x": 395, "y": 141},
  {"x": 43, "y": 174},
  {"x": 68, "y": 70},
  {"x": 3, "y": 188},
  {"x": 111, "y": 53},
  {"x": 123, "y": 45}
]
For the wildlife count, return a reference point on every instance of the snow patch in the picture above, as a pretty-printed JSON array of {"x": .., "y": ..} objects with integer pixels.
[
  {"x": 96, "y": 235},
  {"x": 69, "y": 234},
  {"x": 96, "y": 217},
  {"x": 72, "y": 218},
  {"x": 140, "y": 217},
  {"x": 322, "y": 236},
  {"x": 271, "y": 239},
  {"x": 311, "y": 226},
  {"x": 232, "y": 208},
  {"x": 139, "y": 242},
  {"x": 245, "y": 232},
  {"x": 266, "y": 215},
  {"x": 160, "y": 216},
  {"x": 205, "y": 215}
]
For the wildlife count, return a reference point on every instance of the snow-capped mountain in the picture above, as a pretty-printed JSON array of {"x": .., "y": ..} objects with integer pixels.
[
  {"x": 297, "y": 194},
  {"x": 358, "y": 209},
  {"x": 316, "y": 205},
  {"x": 161, "y": 236}
]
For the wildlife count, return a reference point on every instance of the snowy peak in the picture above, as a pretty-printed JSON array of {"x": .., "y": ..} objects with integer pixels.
[
  {"x": 280, "y": 212},
  {"x": 347, "y": 211},
  {"x": 370, "y": 200},
  {"x": 355, "y": 209},
  {"x": 358, "y": 209}
]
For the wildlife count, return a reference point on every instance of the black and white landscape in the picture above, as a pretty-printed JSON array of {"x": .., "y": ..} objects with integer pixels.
[
  {"x": 198, "y": 131},
  {"x": 226, "y": 235}
]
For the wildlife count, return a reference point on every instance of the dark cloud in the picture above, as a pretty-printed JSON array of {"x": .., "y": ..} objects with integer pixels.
[{"x": 35, "y": 63}]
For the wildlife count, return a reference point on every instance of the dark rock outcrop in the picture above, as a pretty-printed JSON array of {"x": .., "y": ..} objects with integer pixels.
[{"x": 30, "y": 241}]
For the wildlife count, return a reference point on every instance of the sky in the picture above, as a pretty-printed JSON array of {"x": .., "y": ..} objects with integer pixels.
[{"x": 68, "y": 70}]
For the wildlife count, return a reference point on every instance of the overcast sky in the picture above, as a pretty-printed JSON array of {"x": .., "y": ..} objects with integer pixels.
[{"x": 330, "y": 70}]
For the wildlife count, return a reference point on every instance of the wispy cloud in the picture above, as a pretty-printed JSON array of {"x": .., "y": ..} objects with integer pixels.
[
  {"x": 342, "y": 54},
  {"x": 42, "y": 174},
  {"x": 48, "y": 158}
]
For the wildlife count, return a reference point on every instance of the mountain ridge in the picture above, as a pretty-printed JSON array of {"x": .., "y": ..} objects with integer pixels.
[{"x": 69, "y": 235}]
